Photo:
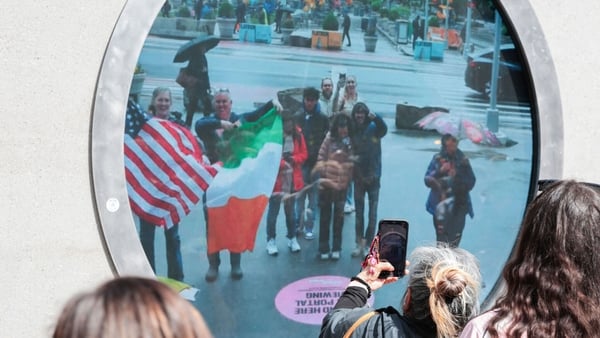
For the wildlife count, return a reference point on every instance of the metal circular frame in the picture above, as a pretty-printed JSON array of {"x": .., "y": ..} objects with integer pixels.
[{"x": 116, "y": 220}]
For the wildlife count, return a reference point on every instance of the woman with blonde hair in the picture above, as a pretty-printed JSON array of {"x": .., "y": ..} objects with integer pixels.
[
  {"x": 442, "y": 295},
  {"x": 130, "y": 307}
]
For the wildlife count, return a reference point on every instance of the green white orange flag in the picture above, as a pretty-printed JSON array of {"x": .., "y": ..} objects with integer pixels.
[{"x": 238, "y": 195}]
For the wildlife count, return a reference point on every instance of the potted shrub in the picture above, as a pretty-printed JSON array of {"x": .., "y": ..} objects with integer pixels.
[
  {"x": 375, "y": 6},
  {"x": 370, "y": 36},
  {"x": 328, "y": 37},
  {"x": 331, "y": 23},
  {"x": 184, "y": 21},
  {"x": 226, "y": 19}
]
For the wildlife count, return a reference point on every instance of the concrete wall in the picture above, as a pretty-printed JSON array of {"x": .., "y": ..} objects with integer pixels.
[{"x": 50, "y": 57}]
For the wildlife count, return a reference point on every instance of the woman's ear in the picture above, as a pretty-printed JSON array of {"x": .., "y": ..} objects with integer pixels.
[{"x": 406, "y": 303}]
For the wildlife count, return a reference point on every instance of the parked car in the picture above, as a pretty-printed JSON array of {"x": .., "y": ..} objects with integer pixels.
[{"x": 513, "y": 82}]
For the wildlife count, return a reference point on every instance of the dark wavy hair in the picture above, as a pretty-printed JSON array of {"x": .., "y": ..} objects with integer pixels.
[
  {"x": 553, "y": 277},
  {"x": 340, "y": 120}
]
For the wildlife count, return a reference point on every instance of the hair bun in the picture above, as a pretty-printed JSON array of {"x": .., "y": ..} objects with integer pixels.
[{"x": 448, "y": 282}]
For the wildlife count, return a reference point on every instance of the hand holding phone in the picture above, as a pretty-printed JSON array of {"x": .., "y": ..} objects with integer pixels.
[{"x": 393, "y": 239}]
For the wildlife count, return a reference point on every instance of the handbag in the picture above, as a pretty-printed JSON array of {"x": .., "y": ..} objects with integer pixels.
[
  {"x": 185, "y": 79},
  {"x": 358, "y": 322}
]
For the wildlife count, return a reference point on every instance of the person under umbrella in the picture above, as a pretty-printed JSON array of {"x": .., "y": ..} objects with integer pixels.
[{"x": 194, "y": 77}]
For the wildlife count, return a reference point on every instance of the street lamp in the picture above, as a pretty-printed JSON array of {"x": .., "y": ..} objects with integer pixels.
[
  {"x": 426, "y": 26},
  {"x": 492, "y": 112},
  {"x": 467, "y": 42}
]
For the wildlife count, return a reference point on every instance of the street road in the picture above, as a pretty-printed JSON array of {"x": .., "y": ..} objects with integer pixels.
[{"x": 254, "y": 73}]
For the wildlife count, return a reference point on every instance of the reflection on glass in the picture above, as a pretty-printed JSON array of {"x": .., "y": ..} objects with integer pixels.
[{"x": 421, "y": 93}]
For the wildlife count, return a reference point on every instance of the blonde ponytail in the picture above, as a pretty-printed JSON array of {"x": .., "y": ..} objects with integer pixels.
[{"x": 444, "y": 285}]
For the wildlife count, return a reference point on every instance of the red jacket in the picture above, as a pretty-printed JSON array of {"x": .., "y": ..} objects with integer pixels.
[{"x": 299, "y": 155}]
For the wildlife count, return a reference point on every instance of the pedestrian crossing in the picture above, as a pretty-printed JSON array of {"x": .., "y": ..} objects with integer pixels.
[{"x": 437, "y": 80}]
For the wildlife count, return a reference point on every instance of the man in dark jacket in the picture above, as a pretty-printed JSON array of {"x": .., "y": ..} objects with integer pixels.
[
  {"x": 209, "y": 129},
  {"x": 346, "y": 26},
  {"x": 370, "y": 129},
  {"x": 314, "y": 127}
]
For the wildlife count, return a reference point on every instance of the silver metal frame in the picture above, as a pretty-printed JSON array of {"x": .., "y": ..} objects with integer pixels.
[{"x": 116, "y": 221}]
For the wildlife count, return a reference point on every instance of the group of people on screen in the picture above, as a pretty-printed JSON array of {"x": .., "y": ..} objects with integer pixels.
[{"x": 331, "y": 165}]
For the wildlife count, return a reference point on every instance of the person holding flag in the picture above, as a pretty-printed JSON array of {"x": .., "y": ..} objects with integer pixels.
[
  {"x": 248, "y": 145},
  {"x": 165, "y": 173}
]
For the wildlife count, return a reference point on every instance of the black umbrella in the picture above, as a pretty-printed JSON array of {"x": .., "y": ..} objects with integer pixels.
[{"x": 194, "y": 46}]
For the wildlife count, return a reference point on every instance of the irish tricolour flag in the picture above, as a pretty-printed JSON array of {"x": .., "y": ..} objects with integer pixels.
[{"x": 238, "y": 195}]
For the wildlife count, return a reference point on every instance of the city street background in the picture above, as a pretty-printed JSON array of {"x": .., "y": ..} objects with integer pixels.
[{"x": 254, "y": 73}]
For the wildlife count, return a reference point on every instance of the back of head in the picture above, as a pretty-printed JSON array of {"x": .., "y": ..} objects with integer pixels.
[
  {"x": 553, "y": 277},
  {"x": 130, "y": 307},
  {"x": 444, "y": 288}
]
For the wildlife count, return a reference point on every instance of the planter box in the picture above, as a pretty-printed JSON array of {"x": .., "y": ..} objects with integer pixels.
[
  {"x": 254, "y": 33},
  {"x": 208, "y": 26},
  {"x": 407, "y": 116},
  {"x": 299, "y": 40},
  {"x": 335, "y": 40},
  {"x": 263, "y": 33},
  {"x": 370, "y": 43},
  {"x": 320, "y": 39},
  {"x": 285, "y": 35},
  {"x": 247, "y": 32},
  {"x": 323, "y": 39},
  {"x": 226, "y": 26}
]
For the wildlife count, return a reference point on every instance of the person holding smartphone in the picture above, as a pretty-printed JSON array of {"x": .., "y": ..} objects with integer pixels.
[
  {"x": 334, "y": 167},
  {"x": 442, "y": 295}
]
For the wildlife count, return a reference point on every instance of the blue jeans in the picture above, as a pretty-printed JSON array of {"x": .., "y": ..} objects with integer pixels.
[
  {"x": 312, "y": 194},
  {"x": 350, "y": 193},
  {"x": 173, "y": 245},
  {"x": 273, "y": 211},
  {"x": 371, "y": 189}
]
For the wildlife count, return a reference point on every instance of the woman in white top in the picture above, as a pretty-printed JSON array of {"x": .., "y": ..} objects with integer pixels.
[{"x": 350, "y": 96}]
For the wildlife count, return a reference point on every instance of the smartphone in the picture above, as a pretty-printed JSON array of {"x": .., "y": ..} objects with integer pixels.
[{"x": 393, "y": 239}]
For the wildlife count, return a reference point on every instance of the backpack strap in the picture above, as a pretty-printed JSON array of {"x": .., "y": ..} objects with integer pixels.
[{"x": 359, "y": 321}]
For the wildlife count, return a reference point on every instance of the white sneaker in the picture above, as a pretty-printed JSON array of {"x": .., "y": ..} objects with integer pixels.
[
  {"x": 293, "y": 245},
  {"x": 335, "y": 255},
  {"x": 348, "y": 208},
  {"x": 272, "y": 247},
  {"x": 324, "y": 256},
  {"x": 309, "y": 235},
  {"x": 357, "y": 252}
]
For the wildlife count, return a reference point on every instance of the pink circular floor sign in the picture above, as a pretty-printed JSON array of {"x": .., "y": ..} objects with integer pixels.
[{"x": 308, "y": 300}]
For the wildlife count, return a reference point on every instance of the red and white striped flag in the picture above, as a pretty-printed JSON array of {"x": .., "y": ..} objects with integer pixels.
[{"x": 165, "y": 173}]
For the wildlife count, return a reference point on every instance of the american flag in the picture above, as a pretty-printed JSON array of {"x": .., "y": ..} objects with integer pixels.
[{"x": 166, "y": 175}]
